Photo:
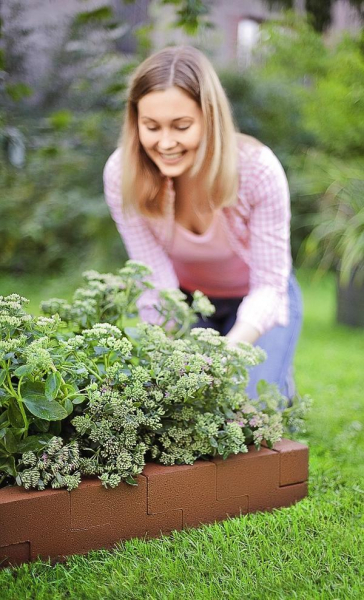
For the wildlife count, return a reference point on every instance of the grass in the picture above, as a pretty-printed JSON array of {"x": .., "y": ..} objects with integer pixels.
[{"x": 312, "y": 550}]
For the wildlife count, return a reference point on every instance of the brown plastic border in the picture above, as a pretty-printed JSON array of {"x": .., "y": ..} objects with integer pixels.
[{"x": 55, "y": 523}]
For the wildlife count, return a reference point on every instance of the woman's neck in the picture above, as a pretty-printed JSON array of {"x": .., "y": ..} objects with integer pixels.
[
  {"x": 192, "y": 208},
  {"x": 190, "y": 194}
]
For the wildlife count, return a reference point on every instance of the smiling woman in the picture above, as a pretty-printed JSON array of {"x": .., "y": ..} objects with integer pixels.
[{"x": 206, "y": 208}]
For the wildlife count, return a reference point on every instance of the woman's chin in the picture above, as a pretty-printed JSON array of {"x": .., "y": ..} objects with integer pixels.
[{"x": 174, "y": 170}]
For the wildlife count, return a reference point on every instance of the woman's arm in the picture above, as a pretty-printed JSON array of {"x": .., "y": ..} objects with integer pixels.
[
  {"x": 242, "y": 332},
  {"x": 266, "y": 305}
]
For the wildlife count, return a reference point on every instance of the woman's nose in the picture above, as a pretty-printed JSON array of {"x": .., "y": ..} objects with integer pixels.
[{"x": 166, "y": 141}]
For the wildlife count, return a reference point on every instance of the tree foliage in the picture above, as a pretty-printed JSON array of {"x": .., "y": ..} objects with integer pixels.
[{"x": 319, "y": 11}]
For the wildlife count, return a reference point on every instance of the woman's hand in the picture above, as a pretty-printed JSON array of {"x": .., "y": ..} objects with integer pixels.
[{"x": 242, "y": 332}]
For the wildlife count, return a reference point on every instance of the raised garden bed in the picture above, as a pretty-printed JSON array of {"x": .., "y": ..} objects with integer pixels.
[{"x": 56, "y": 523}]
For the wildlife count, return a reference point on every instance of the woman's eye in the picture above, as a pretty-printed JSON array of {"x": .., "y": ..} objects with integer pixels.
[{"x": 178, "y": 128}]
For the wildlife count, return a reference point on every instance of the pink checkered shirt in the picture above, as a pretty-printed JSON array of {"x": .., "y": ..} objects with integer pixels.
[{"x": 258, "y": 228}]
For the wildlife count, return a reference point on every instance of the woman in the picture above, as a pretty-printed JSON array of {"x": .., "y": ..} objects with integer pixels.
[{"x": 206, "y": 208}]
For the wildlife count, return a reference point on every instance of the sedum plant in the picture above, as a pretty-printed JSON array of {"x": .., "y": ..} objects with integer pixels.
[
  {"x": 91, "y": 390},
  {"x": 177, "y": 401},
  {"x": 44, "y": 373},
  {"x": 113, "y": 299}
]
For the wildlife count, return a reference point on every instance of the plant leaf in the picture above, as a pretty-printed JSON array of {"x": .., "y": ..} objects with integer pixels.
[
  {"x": 8, "y": 465},
  {"x": 78, "y": 399},
  {"x": 52, "y": 385},
  {"x": 131, "y": 481},
  {"x": 14, "y": 414},
  {"x": 10, "y": 442},
  {"x": 101, "y": 350},
  {"x": 39, "y": 406},
  {"x": 133, "y": 333},
  {"x": 48, "y": 410},
  {"x": 23, "y": 370},
  {"x": 33, "y": 443},
  {"x": 29, "y": 389},
  {"x": 41, "y": 425},
  {"x": 3, "y": 418},
  {"x": 68, "y": 406}
]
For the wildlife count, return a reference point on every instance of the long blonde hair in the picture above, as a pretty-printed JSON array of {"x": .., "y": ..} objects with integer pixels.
[{"x": 143, "y": 185}]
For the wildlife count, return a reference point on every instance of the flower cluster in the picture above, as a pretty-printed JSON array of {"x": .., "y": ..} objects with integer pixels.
[
  {"x": 105, "y": 298},
  {"x": 37, "y": 357},
  {"x": 109, "y": 432},
  {"x": 56, "y": 465},
  {"x": 12, "y": 314},
  {"x": 202, "y": 305}
]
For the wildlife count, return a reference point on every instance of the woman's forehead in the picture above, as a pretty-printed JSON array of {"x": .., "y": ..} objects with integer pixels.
[{"x": 172, "y": 103}]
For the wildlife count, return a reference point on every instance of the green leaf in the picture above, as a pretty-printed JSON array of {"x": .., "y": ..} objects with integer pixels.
[
  {"x": 33, "y": 443},
  {"x": 10, "y": 442},
  {"x": 23, "y": 370},
  {"x": 7, "y": 465},
  {"x": 78, "y": 399},
  {"x": 101, "y": 350},
  {"x": 41, "y": 425},
  {"x": 2, "y": 375},
  {"x": 59, "y": 478},
  {"x": 133, "y": 333},
  {"x": 52, "y": 385},
  {"x": 30, "y": 389},
  {"x": 49, "y": 410},
  {"x": 131, "y": 481},
  {"x": 14, "y": 414},
  {"x": 3, "y": 418},
  {"x": 68, "y": 406},
  {"x": 72, "y": 388}
]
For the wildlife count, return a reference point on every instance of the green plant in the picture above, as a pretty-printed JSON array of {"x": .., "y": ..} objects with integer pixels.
[
  {"x": 337, "y": 238},
  {"x": 91, "y": 390}
]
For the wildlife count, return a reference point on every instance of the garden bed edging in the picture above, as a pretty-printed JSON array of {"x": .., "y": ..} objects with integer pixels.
[{"x": 56, "y": 523}]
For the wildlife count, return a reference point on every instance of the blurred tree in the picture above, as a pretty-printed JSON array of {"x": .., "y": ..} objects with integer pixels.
[
  {"x": 14, "y": 46},
  {"x": 52, "y": 210},
  {"x": 320, "y": 11},
  {"x": 191, "y": 14}
]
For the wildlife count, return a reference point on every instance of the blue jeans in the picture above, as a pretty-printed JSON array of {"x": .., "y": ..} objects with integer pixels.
[{"x": 279, "y": 343}]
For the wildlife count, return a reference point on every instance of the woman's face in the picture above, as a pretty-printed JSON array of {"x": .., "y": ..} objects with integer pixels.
[{"x": 170, "y": 130}]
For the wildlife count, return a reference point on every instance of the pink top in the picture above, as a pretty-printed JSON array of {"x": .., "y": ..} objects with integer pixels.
[
  {"x": 206, "y": 262},
  {"x": 257, "y": 229}
]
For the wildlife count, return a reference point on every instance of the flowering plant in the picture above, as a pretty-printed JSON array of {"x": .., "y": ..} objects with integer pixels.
[{"x": 91, "y": 390}]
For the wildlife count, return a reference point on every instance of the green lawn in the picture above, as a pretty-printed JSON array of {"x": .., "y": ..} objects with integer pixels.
[{"x": 309, "y": 551}]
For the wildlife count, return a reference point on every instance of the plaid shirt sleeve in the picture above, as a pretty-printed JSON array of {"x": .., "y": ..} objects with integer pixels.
[
  {"x": 270, "y": 262},
  {"x": 138, "y": 239}
]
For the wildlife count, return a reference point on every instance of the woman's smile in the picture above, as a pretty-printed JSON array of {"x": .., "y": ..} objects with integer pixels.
[{"x": 172, "y": 159}]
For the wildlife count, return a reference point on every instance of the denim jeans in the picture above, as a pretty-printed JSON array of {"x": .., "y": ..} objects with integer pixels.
[{"x": 279, "y": 343}]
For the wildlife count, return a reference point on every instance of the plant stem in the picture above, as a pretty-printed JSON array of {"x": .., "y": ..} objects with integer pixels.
[{"x": 19, "y": 400}]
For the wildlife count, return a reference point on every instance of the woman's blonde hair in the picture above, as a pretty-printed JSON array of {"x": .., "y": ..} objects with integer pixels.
[{"x": 143, "y": 185}]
